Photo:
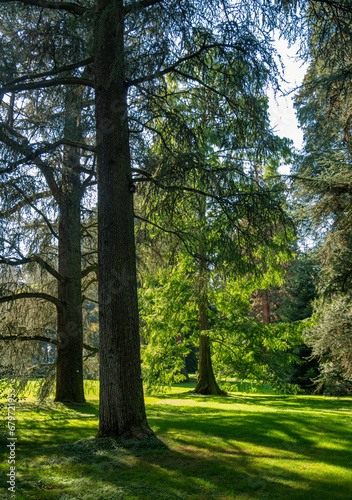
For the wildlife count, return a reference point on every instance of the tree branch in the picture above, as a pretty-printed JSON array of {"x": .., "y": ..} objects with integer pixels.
[
  {"x": 73, "y": 8},
  {"x": 33, "y": 258},
  {"x": 80, "y": 145},
  {"x": 48, "y": 223},
  {"x": 31, "y": 295},
  {"x": 41, "y": 338},
  {"x": 53, "y": 82},
  {"x": 89, "y": 269},
  {"x": 52, "y": 72},
  {"x": 84, "y": 298},
  {"x": 170, "y": 69},
  {"x": 142, "y": 4},
  {"x": 22, "y": 338},
  {"x": 24, "y": 147},
  {"x": 90, "y": 348},
  {"x": 23, "y": 203},
  {"x": 87, "y": 285},
  {"x": 170, "y": 231}
]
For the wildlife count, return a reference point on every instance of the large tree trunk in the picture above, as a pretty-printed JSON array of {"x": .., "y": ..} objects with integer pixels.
[
  {"x": 122, "y": 410},
  {"x": 69, "y": 364}
]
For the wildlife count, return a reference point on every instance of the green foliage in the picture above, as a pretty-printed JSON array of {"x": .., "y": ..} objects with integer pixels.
[
  {"x": 241, "y": 347},
  {"x": 299, "y": 289},
  {"x": 169, "y": 317},
  {"x": 329, "y": 336}
]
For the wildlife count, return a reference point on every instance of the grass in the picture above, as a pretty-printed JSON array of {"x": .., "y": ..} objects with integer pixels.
[{"x": 244, "y": 446}]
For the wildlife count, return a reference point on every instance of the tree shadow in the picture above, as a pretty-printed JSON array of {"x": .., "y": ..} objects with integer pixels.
[{"x": 211, "y": 452}]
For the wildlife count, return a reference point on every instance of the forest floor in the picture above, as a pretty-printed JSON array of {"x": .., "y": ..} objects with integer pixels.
[{"x": 241, "y": 446}]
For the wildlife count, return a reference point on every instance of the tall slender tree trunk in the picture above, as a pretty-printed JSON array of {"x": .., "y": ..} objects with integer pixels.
[
  {"x": 206, "y": 382},
  {"x": 266, "y": 306},
  {"x": 69, "y": 364},
  {"x": 122, "y": 410}
]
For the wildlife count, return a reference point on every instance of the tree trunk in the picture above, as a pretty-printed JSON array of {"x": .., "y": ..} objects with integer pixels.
[
  {"x": 69, "y": 364},
  {"x": 206, "y": 383},
  {"x": 266, "y": 306},
  {"x": 122, "y": 410}
]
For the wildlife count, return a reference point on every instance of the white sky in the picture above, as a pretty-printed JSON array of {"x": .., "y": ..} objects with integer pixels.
[{"x": 282, "y": 113}]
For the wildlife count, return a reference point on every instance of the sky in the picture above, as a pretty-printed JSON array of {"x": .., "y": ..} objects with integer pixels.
[{"x": 282, "y": 113}]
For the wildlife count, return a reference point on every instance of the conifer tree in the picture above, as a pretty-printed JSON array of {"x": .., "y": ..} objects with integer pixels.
[{"x": 134, "y": 45}]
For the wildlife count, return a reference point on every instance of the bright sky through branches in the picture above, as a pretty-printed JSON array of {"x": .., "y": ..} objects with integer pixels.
[{"x": 282, "y": 114}]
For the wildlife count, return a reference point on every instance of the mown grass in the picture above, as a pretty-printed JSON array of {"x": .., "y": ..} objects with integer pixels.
[{"x": 243, "y": 446}]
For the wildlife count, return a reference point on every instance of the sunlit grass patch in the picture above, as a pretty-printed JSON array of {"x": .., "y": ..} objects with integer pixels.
[{"x": 243, "y": 446}]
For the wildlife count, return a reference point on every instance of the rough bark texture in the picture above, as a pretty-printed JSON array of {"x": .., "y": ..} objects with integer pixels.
[
  {"x": 122, "y": 411},
  {"x": 69, "y": 365}
]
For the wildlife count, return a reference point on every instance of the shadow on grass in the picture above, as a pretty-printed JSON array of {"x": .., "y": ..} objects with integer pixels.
[{"x": 265, "y": 447}]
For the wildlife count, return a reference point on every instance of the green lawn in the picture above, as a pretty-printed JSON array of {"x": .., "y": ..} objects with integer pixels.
[{"x": 237, "y": 447}]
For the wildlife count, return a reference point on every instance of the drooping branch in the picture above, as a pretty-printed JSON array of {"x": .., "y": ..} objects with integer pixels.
[
  {"x": 169, "y": 231},
  {"x": 172, "y": 68},
  {"x": 22, "y": 338},
  {"x": 30, "y": 199},
  {"x": 41, "y": 338},
  {"x": 33, "y": 258},
  {"x": 31, "y": 295},
  {"x": 149, "y": 177},
  {"x": 89, "y": 269},
  {"x": 80, "y": 145},
  {"x": 23, "y": 147},
  {"x": 89, "y": 299},
  {"x": 86, "y": 286},
  {"x": 48, "y": 148},
  {"x": 40, "y": 212}
]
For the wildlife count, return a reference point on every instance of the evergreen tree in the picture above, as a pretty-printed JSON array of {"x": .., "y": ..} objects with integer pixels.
[{"x": 134, "y": 46}]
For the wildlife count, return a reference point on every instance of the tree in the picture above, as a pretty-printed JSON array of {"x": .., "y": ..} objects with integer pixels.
[
  {"x": 67, "y": 193},
  {"x": 202, "y": 165},
  {"x": 45, "y": 178},
  {"x": 329, "y": 336},
  {"x": 322, "y": 173},
  {"x": 242, "y": 347},
  {"x": 136, "y": 44}
]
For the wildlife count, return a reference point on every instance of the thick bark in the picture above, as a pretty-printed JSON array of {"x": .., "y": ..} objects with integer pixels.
[
  {"x": 122, "y": 410},
  {"x": 69, "y": 365}
]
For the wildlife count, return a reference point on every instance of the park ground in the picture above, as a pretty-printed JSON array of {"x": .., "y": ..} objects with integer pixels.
[{"x": 242, "y": 446}]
